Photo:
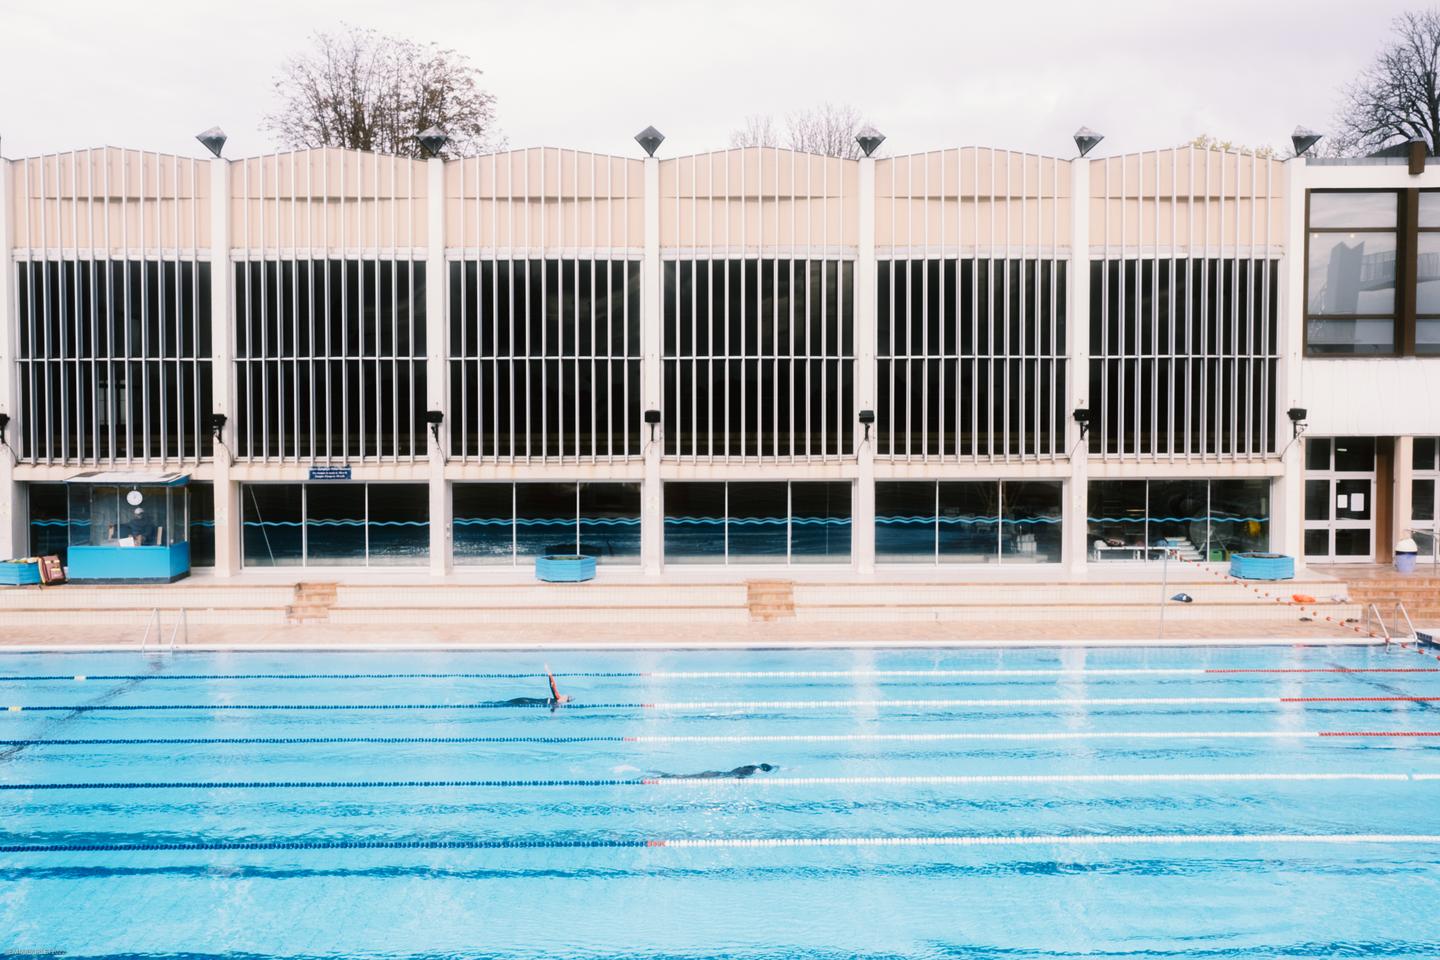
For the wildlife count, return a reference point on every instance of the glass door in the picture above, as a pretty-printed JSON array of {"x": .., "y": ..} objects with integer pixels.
[
  {"x": 1423, "y": 488},
  {"x": 1340, "y": 499}
]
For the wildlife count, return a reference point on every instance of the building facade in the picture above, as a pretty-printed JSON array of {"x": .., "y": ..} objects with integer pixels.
[{"x": 750, "y": 357}]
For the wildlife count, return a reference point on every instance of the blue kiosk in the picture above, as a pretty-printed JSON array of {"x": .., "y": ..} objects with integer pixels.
[{"x": 128, "y": 527}]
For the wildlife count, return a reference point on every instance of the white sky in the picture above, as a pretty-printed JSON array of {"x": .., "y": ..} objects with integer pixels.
[{"x": 1022, "y": 75}]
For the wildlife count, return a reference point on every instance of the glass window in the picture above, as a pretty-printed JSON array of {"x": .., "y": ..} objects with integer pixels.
[
  {"x": 1317, "y": 499},
  {"x": 694, "y": 523},
  {"x": 202, "y": 524},
  {"x": 484, "y": 523},
  {"x": 1351, "y": 273},
  {"x": 49, "y": 520},
  {"x": 1355, "y": 454},
  {"x": 1338, "y": 209},
  {"x": 969, "y": 522},
  {"x": 1179, "y": 511},
  {"x": 1317, "y": 453},
  {"x": 905, "y": 521},
  {"x": 1422, "y": 499},
  {"x": 758, "y": 522},
  {"x": 1352, "y": 543},
  {"x": 610, "y": 522},
  {"x": 399, "y": 523},
  {"x": 273, "y": 516},
  {"x": 1030, "y": 529},
  {"x": 1423, "y": 455},
  {"x": 1317, "y": 543},
  {"x": 1115, "y": 525},
  {"x": 1240, "y": 515},
  {"x": 1429, "y": 209},
  {"x": 335, "y": 524},
  {"x": 545, "y": 521},
  {"x": 820, "y": 522}
]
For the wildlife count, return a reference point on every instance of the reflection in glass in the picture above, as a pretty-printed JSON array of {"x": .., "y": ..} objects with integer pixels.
[
  {"x": 820, "y": 522},
  {"x": 272, "y": 515},
  {"x": 610, "y": 522},
  {"x": 202, "y": 524},
  {"x": 969, "y": 522},
  {"x": 1348, "y": 209},
  {"x": 1429, "y": 208},
  {"x": 1317, "y": 499},
  {"x": 484, "y": 523},
  {"x": 545, "y": 520},
  {"x": 1178, "y": 515},
  {"x": 905, "y": 521},
  {"x": 694, "y": 523},
  {"x": 1352, "y": 543},
  {"x": 1030, "y": 529},
  {"x": 1240, "y": 515},
  {"x": 1351, "y": 273},
  {"x": 1422, "y": 499},
  {"x": 1354, "y": 454},
  {"x": 1317, "y": 543},
  {"x": 49, "y": 533},
  {"x": 758, "y": 522},
  {"x": 1115, "y": 525},
  {"x": 1423, "y": 454},
  {"x": 335, "y": 524},
  {"x": 399, "y": 523},
  {"x": 1427, "y": 274}
]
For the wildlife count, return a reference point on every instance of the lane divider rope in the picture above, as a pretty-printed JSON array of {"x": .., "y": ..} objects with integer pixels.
[
  {"x": 1087, "y": 840},
  {"x": 911, "y": 780}
]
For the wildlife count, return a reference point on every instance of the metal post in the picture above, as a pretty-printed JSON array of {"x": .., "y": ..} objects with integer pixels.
[
  {"x": 222, "y": 360},
  {"x": 437, "y": 345},
  {"x": 1077, "y": 379},
  {"x": 652, "y": 517},
  {"x": 862, "y": 524}
]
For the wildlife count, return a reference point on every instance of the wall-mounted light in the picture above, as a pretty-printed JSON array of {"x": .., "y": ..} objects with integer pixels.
[
  {"x": 869, "y": 140},
  {"x": 1082, "y": 420},
  {"x": 652, "y": 420},
  {"x": 217, "y": 425},
  {"x": 1087, "y": 139},
  {"x": 1303, "y": 138},
  {"x": 1297, "y": 421},
  {"x": 435, "y": 418},
  {"x": 867, "y": 417},
  {"x": 432, "y": 141},
  {"x": 649, "y": 140},
  {"x": 4, "y": 422},
  {"x": 213, "y": 140}
]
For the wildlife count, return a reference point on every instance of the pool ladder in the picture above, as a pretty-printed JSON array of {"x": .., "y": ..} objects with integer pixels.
[
  {"x": 180, "y": 632},
  {"x": 1397, "y": 608}
]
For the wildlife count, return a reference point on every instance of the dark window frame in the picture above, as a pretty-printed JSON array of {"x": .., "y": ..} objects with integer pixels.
[
  {"x": 1406, "y": 243},
  {"x": 1412, "y": 345}
]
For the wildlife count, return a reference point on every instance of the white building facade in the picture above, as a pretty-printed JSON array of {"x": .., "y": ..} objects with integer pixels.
[{"x": 751, "y": 357}]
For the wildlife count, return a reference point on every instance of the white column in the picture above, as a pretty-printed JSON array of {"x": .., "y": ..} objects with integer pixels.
[
  {"x": 1287, "y": 492},
  {"x": 436, "y": 367},
  {"x": 652, "y": 515},
  {"x": 14, "y": 539},
  {"x": 228, "y": 534},
  {"x": 1076, "y": 548},
  {"x": 1401, "y": 505},
  {"x": 862, "y": 514}
]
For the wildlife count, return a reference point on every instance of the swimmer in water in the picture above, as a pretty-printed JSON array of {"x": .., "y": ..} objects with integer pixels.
[
  {"x": 555, "y": 699},
  {"x": 739, "y": 773}
]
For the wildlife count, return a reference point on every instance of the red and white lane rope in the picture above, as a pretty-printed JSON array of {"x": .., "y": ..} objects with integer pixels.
[
  {"x": 1075, "y": 840},
  {"x": 980, "y": 779},
  {"x": 1042, "y": 736}
]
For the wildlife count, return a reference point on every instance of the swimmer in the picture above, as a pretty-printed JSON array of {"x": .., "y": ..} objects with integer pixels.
[
  {"x": 739, "y": 773},
  {"x": 555, "y": 699}
]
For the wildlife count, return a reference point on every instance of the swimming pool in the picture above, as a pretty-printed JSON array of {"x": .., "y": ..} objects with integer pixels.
[{"x": 1211, "y": 802}]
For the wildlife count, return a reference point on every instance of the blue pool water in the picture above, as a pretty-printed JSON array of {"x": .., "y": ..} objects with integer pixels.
[{"x": 1117, "y": 803}]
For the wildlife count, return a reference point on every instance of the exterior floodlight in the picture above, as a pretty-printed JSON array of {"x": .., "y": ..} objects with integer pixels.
[
  {"x": 652, "y": 417},
  {"x": 217, "y": 424},
  {"x": 650, "y": 140},
  {"x": 1082, "y": 419},
  {"x": 867, "y": 417},
  {"x": 213, "y": 140},
  {"x": 433, "y": 140},
  {"x": 4, "y": 422},
  {"x": 869, "y": 139},
  {"x": 1086, "y": 139},
  {"x": 1297, "y": 420},
  {"x": 1303, "y": 139},
  {"x": 435, "y": 418}
]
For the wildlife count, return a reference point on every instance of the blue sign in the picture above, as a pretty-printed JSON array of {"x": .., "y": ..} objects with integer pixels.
[{"x": 329, "y": 473}]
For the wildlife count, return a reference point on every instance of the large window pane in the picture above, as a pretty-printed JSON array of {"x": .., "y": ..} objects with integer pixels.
[
  {"x": 48, "y": 520},
  {"x": 1347, "y": 209},
  {"x": 273, "y": 518},
  {"x": 1423, "y": 454},
  {"x": 1317, "y": 499},
  {"x": 399, "y": 523},
  {"x": 484, "y": 523},
  {"x": 758, "y": 522},
  {"x": 202, "y": 524},
  {"x": 1422, "y": 499},
  {"x": 820, "y": 522},
  {"x": 1240, "y": 515},
  {"x": 1317, "y": 453},
  {"x": 1030, "y": 529},
  {"x": 335, "y": 524},
  {"x": 1352, "y": 543},
  {"x": 905, "y": 521},
  {"x": 694, "y": 523},
  {"x": 544, "y": 520},
  {"x": 1429, "y": 208},
  {"x": 1351, "y": 273},
  {"x": 610, "y": 521},
  {"x": 969, "y": 521},
  {"x": 1178, "y": 518},
  {"x": 1115, "y": 525},
  {"x": 1355, "y": 454}
]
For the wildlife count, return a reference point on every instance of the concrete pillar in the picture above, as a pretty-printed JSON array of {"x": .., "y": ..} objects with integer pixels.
[
  {"x": 862, "y": 514},
  {"x": 1287, "y": 499},
  {"x": 1075, "y": 509},
  {"x": 14, "y": 537},
  {"x": 228, "y": 534},
  {"x": 652, "y": 513},
  {"x": 1401, "y": 506},
  {"x": 436, "y": 368}
]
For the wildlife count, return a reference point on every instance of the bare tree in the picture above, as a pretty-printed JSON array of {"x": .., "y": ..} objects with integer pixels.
[
  {"x": 1397, "y": 97},
  {"x": 1207, "y": 142},
  {"x": 828, "y": 130},
  {"x": 359, "y": 89}
]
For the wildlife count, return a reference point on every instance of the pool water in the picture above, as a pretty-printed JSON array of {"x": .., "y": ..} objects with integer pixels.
[{"x": 1115, "y": 803}]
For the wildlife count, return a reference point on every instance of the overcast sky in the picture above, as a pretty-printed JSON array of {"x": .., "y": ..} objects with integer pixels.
[{"x": 1012, "y": 74}]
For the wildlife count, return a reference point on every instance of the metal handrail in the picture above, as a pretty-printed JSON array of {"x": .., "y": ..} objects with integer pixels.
[
  {"x": 154, "y": 624},
  {"x": 1397, "y": 607}
]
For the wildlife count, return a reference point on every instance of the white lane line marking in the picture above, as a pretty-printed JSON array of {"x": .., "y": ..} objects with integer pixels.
[
  {"x": 1024, "y": 702},
  {"x": 1055, "y": 778},
  {"x": 933, "y": 737},
  {"x": 1096, "y": 840}
]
